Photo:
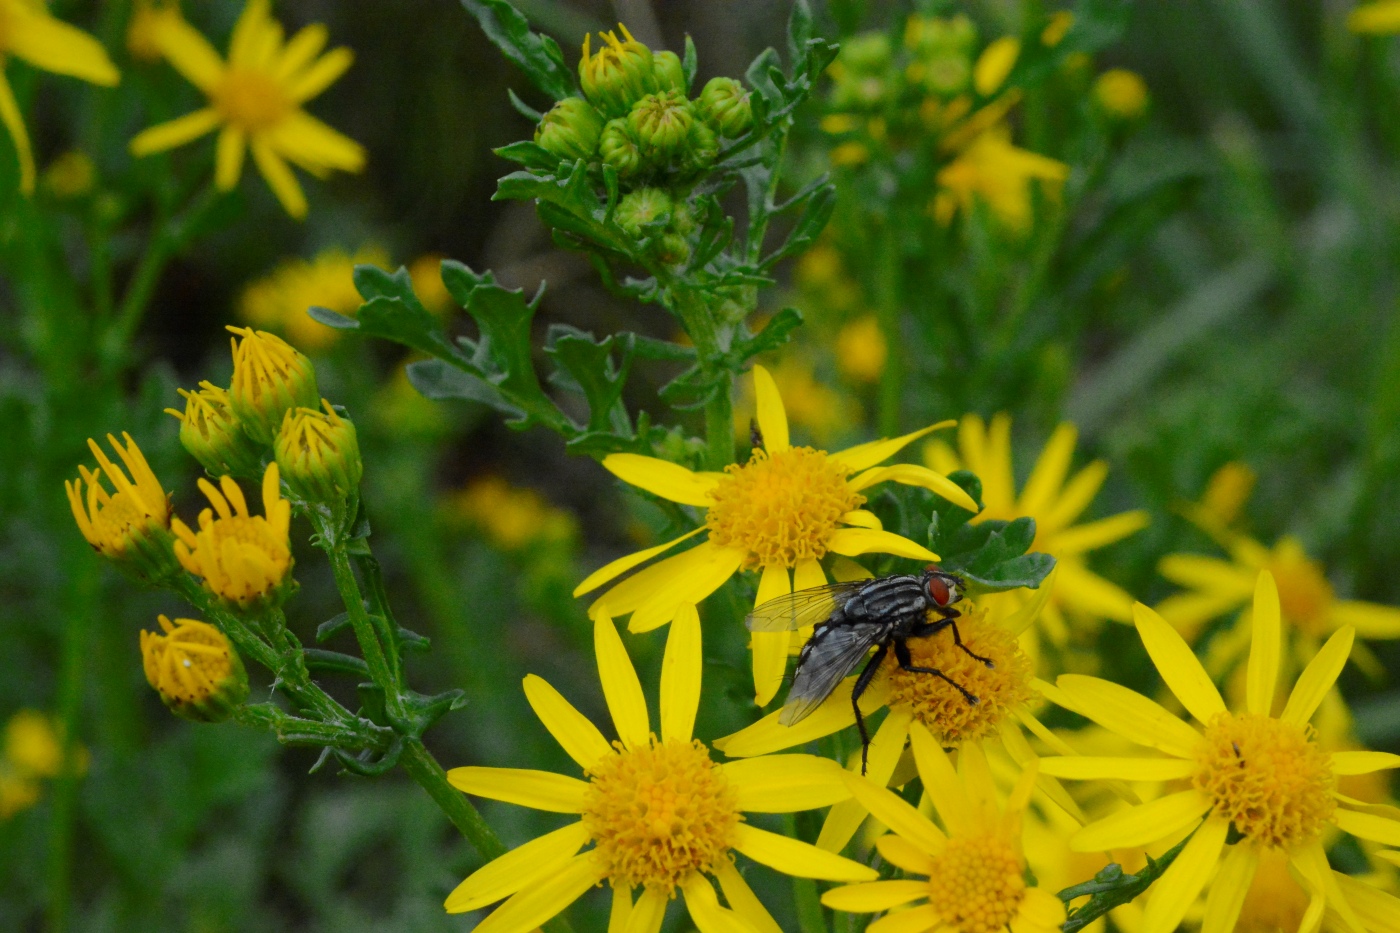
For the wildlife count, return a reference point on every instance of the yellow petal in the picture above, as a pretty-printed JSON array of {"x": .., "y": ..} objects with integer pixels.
[
  {"x": 321, "y": 75},
  {"x": 1318, "y": 677},
  {"x": 228, "y": 157},
  {"x": 786, "y": 783},
  {"x": 897, "y": 814},
  {"x": 50, "y": 44},
  {"x": 190, "y": 53},
  {"x": 1181, "y": 884},
  {"x": 865, "y": 456},
  {"x": 1187, "y": 611},
  {"x": 910, "y": 474},
  {"x": 998, "y": 481},
  {"x": 11, "y": 116},
  {"x": 280, "y": 179},
  {"x": 853, "y": 541},
  {"x": 919, "y": 919},
  {"x": 769, "y": 735},
  {"x": 1129, "y": 714},
  {"x": 177, "y": 132},
  {"x": 741, "y": 897},
  {"x": 948, "y": 793},
  {"x": 1031, "y": 609},
  {"x": 708, "y": 572},
  {"x": 1083, "y": 590},
  {"x": 1096, "y": 534},
  {"x": 1370, "y": 620},
  {"x": 874, "y": 896},
  {"x": 1264, "y": 646},
  {"x": 1368, "y": 826},
  {"x": 529, "y": 909},
  {"x": 623, "y": 564},
  {"x": 1140, "y": 825},
  {"x": 797, "y": 858},
  {"x": 809, "y": 573},
  {"x": 1378, "y": 911},
  {"x": 570, "y": 728},
  {"x": 621, "y": 688},
  {"x": 316, "y": 147},
  {"x": 1178, "y": 665},
  {"x": 1208, "y": 573},
  {"x": 542, "y": 790},
  {"x": 1078, "y": 493},
  {"x": 902, "y": 853},
  {"x": 862, "y": 519},
  {"x": 1040, "y": 911},
  {"x": 621, "y": 910},
  {"x": 1125, "y": 769},
  {"x": 772, "y": 417},
  {"x": 660, "y": 577},
  {"x": 1228, "y": 890},
  {"x": 1049, "y": 472},
  {"x": 663, "y": 478},
  {"x": 681, "y": 667},
  {"x": 1363, "y": 762},
  {"x": 705, "y": 910},
  {"x": 301, "y": 49},
  {"x": 886, "y": 747},
  {"x": 1310, "y": 861},
  {"x": 995, "y": 64},
  {"x": 518, "y": 868},
  {"x": 770, "y": 649},
  {"x": 648, "y": 912}
]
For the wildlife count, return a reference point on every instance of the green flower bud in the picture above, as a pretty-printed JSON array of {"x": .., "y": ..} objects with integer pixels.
[
  {"x": 270, "y": 377},
  {"x": 660, "y": 123},
  {"x": 619, "y": 75},
  {"x": 641, "y": 207},
  {"x": 197, "y": 673},
  {"x": 702, "y": 146},
  {"x": 673, "y": 249},
  {"x": 724, "y": 104},
  {"x": 669, "y": 72},
  {"x": 618, "y": 148},
  {"x": 319, "y": 454},
  {"x": 571, "y": 129},
  {"x": 212, "y": 434},
  {"x": 948, "y": 73},
  {"x": 868, "y": 53}
]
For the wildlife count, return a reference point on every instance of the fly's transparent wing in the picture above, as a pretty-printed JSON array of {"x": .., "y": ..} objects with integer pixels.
[
  {"x": 832, "y": 653},
  {"x": 801, "y": 609}
]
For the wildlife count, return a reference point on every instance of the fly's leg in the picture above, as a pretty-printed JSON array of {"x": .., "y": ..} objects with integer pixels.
[
  {"x": 867, "y": 674},
  {"x": 901, "y": 654},
  {"x": 949, "y": 620}
]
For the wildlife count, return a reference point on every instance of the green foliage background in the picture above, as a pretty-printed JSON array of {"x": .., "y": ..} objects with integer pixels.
[{"x": 1236, "y": 300}]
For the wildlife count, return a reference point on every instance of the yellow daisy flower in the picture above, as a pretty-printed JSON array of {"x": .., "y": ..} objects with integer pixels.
[
  {"x": 660, "y": 814},
  {"x": 780, "y": 513},
  {"x": 973, "y": 876},
  {"x": 256, "y": 97},
  {"x": 1055, "y": 500},
  {"x": 29, "y": 33},
  {"x": 243, "y": 559},
  {"x": 1004, "y": 693},
  {"x": 1261, "y": 780},
  {"x": 278, "y": 301}
]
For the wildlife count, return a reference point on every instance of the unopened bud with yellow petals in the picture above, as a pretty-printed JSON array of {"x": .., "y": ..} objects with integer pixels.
[
  {"x": 270, "y": 378},
  {"x": 131, "y": 524},
  {"x": 319, "y": 455},
  {"x": 194, "y": 669},
  {"x": 619, "y": 74},
  {"x": 212, "y": 434},
  {"x": 244, "y": 559}
]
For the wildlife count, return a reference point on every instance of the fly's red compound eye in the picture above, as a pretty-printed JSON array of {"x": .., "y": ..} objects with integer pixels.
[{"x": 938, "y": 591}]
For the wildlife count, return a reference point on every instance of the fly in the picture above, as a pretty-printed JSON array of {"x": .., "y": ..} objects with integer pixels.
[{"x": 850, "y": 619}]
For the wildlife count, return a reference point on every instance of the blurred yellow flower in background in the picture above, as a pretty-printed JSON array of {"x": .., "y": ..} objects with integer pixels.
[
  {"x": 32, "y": 752},
  {"x": 1381, "y": 18},
  {"x": 861, "y": 349},
  {"x": 999, "y": 174},
  {"x": 1121, "y": 93},
  {"x": 255, "y": 101},
  {"x": 29, "y": 33},
  {"x": 426, "y": 273},
  {"x": 1055, "y": 500},
  {"x": 510, "y": 516},
  {"x": 70, "y": 175},
  {"x": 148, "y": 18},
  {"x": 278, "y": 301}
]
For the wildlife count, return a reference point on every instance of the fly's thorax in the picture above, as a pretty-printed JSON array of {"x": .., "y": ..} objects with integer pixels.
[{"x": 888, "y": 599}]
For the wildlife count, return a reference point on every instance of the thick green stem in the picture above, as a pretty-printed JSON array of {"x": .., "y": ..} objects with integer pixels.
[{"x": 381, "y": 670}]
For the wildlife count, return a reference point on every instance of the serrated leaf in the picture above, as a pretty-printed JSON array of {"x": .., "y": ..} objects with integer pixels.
[
  {"x": 775, "y": 333},
  {"x": 437, "y": 379},
  {"x": 538, "y": 56},
  {"x": 589, "y": 365},
  {"x": 759, "y": 76},
  {"x": 813, "y": 219}
]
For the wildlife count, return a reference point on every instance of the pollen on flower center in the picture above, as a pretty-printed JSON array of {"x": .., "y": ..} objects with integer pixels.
[
  {"x": 250, "y": 99},
  {"x": 782, "y": 508},
  {"x": 938, "y": 704},
  {"x": 1268, "y": 777},
  {"x": 976, "y": 885},
  {"x": 660, "y": 812}
]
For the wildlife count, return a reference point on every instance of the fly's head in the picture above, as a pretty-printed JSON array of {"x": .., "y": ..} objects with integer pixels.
[{"x": 943, "y": 588}]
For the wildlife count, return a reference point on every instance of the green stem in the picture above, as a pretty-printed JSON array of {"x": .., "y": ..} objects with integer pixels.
[
  {"x": 382, "y": 672},
  {"x": 697, "y": 317},
  {"x": 1111, "y": 888}
]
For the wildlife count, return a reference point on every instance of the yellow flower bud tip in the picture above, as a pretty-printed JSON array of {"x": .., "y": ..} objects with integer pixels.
[
  {"x": 319, "y": 454},
  {"x": 619, "y": 74},
  {"x": 195, "y": 670},
  {"x": 131, "y": 523},
  {"x": 244, "y": 559},
  {"x": 211, "y": 432},
  {"x": 270, "y": 376}
]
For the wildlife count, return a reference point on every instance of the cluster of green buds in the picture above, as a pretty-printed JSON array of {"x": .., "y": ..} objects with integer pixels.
[
  {"x": 635, "y": 116},
  {"x": 873, "y": 75}
]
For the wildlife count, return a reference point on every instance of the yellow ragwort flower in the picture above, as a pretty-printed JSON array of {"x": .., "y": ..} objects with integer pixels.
[
  {"x": 1055, "y": 500},
  {"x": 319, "y": 454},
  {"x": 130, "y": 525},
  {"x": 197, "y": 673},
  {"x": 243, "y": 559},
  {"x": 972, "y": 872},
  {"x": 29, "y": 33},
  {"x": 1263, "y": 779},
  {"x": 32, "y": 744},
  {"x": 861, "y": 349},
  {"x": 257, "y": 97},
  {"x": 1121, "y": 93},
  {"x": 278, "y": 301},
  {"x": 511, "y": 517},
  {"x": 1381, "y": 18},
  {"x": 918, "y": 700},
  {"x": 270, "y": 378},
  {"x": 994, "y": 64},
  {"x": 780, "y": 513},
  {"x": 994, "y": 171},
  {"x": 659, "y": 813}
]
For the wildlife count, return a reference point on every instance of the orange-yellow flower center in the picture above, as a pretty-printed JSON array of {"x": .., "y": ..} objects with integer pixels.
[
  {"x": 1304, "y": 593},
  {"x": 660, "y": 812},
  {"x": 977, "y": 884},
  {"x": 1268, "y": 777},
  {"x": 250, "y": 99},
  {"x": 938, "y": 704},
  {"x": 782, "y": 508},
  {"x": 189, "y": 663},
  {"x": 242, "y": 558}
]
